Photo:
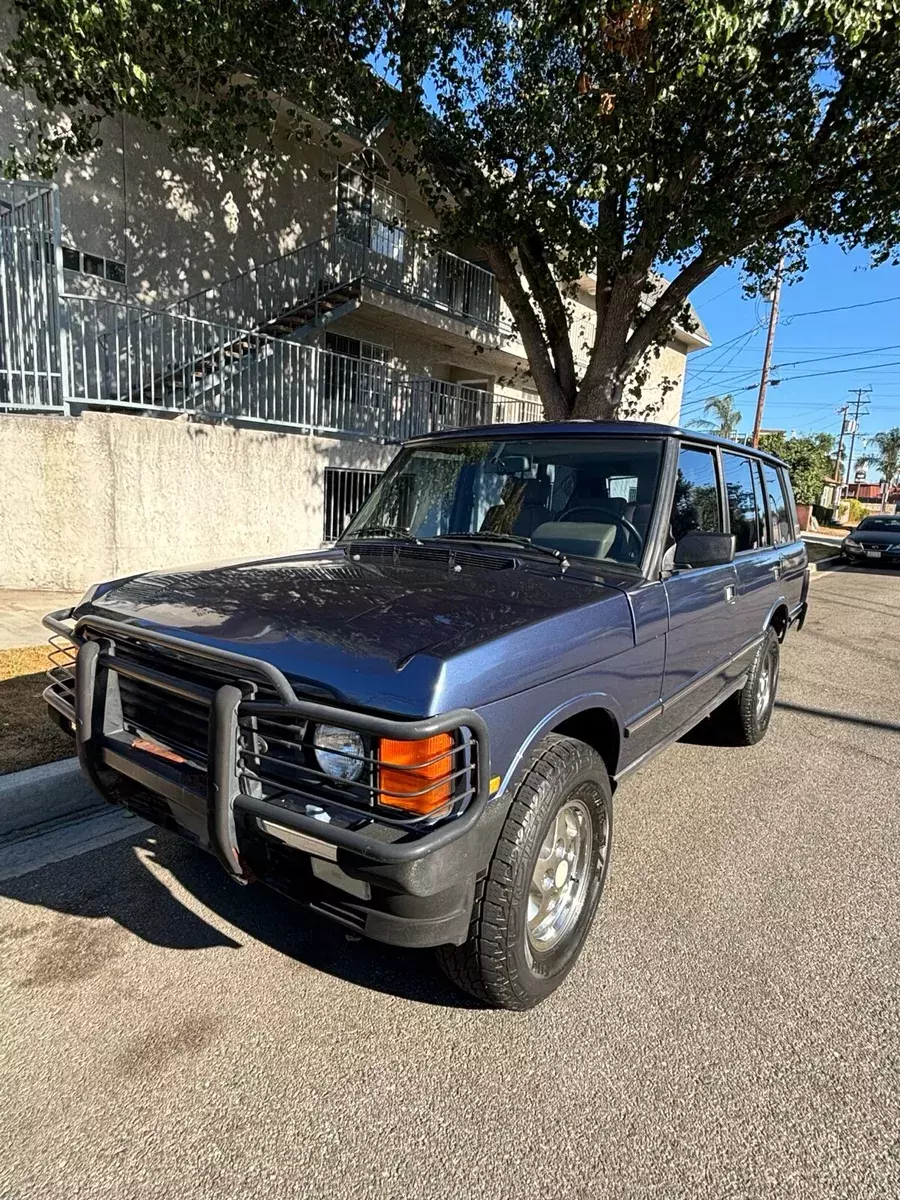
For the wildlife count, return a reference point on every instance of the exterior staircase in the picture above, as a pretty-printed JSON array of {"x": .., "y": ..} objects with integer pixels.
[
  {"x": 291, "y": 296},
  {"x": 214, "y": 336}
]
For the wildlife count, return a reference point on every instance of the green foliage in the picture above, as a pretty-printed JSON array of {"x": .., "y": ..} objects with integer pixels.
[
  {"x": 726, "y": 417},
  {"x": 809, "y": 460},
  {"x": 852, "y": 511},
  {"x": 611, "y": 137}
]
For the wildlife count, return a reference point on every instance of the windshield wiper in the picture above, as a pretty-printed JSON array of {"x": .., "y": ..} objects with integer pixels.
[{"x": 517, "y": 539}]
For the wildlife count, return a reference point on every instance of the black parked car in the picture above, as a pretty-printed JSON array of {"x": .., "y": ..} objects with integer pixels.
[
  {"x": 419, "y": 731},
  {"x": 875, "y": 540}
]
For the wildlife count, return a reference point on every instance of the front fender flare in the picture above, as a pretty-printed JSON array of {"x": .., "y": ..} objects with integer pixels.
[{"x": 562, "y": 712}]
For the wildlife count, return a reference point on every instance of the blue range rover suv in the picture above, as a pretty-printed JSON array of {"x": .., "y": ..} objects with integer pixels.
[{"x": 418, "y": 732}]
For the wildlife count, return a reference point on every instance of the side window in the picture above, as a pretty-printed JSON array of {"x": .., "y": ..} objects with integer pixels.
[
  {"x": 759, "y": 493},
  {"x": 782, "y": 527},
  {"x": 743, "y": 501},
  {"x": 696, "y": 506},
  {"x": 790, "y": 502}
]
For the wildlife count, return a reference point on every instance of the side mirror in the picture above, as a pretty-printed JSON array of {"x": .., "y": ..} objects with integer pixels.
[{"x": 704, "y": 550}]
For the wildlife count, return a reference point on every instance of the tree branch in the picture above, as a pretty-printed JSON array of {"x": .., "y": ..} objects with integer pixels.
[
  {"x": 530, "y": 331},
  {"x": 546, "y": 292}
]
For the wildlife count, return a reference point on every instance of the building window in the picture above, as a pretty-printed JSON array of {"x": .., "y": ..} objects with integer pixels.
[
  {"x": 372, "y": 215},
  {"x": 346, "y": 490},
  {"x": 356, "y": 372},
  {"x": 93, "y": 264}
]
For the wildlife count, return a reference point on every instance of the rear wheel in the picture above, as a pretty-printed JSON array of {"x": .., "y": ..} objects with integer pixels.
[
  {"x": 536, "y": 906},
  {"x": 744, "y": 717}
]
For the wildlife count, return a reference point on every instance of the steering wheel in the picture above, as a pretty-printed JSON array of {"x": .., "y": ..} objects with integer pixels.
[{"x": 605, "y": 514}]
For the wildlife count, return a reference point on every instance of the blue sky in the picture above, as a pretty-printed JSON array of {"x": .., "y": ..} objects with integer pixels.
[{"x": 861, "y": 343}]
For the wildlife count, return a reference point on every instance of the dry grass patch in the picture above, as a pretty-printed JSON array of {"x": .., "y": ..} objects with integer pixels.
[{"x": 28, "y": 737}]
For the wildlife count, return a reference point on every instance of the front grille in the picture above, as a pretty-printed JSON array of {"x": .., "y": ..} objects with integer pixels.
[{"x": 180, "y": 724}]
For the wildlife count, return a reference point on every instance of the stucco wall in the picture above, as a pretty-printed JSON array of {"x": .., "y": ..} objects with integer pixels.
[{"x": 92, "y": 497}]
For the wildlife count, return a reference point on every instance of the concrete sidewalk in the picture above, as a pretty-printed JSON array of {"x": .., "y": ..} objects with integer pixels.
[{"x": 21, "y": 612}]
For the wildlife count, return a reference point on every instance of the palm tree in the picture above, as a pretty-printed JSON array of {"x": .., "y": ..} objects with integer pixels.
[
  {"x": 886, "y": 460},
  {"x": 726, "y": 417}
]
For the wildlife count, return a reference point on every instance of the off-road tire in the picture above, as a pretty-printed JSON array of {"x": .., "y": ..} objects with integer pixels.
[
  {"x": 740, "y": 719},
  {"x": 497, "y": 964}
]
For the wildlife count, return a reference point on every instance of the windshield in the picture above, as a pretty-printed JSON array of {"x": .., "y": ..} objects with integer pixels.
[
  {"x": 879, "y": 525},
  {"x": 589, "y": 497}
]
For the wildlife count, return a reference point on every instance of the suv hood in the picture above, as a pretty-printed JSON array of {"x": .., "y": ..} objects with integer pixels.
[{"x": 409, "y": 630}]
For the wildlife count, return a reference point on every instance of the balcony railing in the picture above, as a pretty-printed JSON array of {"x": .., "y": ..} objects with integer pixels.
[
  {"x": 144, "y": 360},
  {"x": 385, "y": 256},
  {"x": 409, "y": 266}
]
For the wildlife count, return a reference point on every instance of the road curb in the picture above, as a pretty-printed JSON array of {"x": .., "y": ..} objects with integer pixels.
[
  {"x": 41, "y": 794},
  {"x": 826, "y": 565}
]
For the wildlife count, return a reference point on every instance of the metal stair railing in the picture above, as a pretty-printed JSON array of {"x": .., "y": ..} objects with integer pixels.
[{"x": 256, "y": 298}]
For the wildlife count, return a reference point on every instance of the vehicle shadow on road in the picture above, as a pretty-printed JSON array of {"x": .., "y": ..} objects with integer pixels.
[{"x": 136, "y": 884}]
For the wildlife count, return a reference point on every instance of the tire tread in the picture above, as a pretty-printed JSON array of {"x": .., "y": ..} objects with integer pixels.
[{"x": 482, "y": 965}]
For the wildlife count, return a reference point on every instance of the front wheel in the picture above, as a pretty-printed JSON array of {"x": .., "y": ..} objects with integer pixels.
[{"x": 537, "y": 903}]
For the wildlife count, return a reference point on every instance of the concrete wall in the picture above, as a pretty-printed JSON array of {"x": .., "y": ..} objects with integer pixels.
[{"x": 92, "y": 497}]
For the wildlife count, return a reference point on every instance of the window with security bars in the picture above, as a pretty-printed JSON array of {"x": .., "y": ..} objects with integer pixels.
[
  {"x": 355, "y": 374},
  {"x": 346, "y": 490}
]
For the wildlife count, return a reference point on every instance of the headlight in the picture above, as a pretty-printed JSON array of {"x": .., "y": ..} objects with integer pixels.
[
  {"x": 852, "y": 543},
  {"x": 332, "y": 745}
]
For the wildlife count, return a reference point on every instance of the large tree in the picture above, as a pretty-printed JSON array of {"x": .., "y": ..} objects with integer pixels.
[{"x": 568, "y": 138}]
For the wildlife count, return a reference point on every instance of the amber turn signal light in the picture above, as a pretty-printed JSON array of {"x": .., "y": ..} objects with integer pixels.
[{"x": 414, "y": 775}]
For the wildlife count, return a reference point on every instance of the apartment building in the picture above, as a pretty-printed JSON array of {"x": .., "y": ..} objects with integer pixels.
[{"x": 309, "y": 298}]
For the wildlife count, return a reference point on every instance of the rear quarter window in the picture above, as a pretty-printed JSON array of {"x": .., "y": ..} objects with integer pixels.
[{"x": 776, "y": 500}]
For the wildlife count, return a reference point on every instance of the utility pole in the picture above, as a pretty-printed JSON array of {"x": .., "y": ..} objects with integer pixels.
[
  {"x": 837, "y": 463},
  {"x": 767, "y": 358},
  {"x": 854, "y": 425}
]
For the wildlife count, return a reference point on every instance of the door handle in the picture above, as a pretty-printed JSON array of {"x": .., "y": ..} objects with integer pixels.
[
  {"x": 777, "y": 569},
  {"x": 729, "y": 593}
]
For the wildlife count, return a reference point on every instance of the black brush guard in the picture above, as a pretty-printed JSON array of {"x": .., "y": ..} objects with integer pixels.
[{"x": 101, "y": 742}]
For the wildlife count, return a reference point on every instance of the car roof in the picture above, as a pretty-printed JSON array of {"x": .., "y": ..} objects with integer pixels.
[{"x": 587, "y": 428}]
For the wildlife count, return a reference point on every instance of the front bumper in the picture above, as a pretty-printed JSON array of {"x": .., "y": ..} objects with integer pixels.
[
  {"x": 875, "y": 555},
  {"x": 407, "y": 882}
]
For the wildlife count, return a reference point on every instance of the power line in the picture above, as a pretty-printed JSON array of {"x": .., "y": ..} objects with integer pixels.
[
  {"x": 802, "y": 362},
  {"x": 816, "y": 312},
  {"x": 838, "y": 371}
]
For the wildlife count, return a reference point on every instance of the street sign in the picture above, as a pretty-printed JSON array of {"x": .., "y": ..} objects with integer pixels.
[{"x": 860, "y": 475}]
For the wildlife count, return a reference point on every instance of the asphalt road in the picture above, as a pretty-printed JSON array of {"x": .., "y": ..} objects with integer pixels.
[{"x": 731, "y": 1031}]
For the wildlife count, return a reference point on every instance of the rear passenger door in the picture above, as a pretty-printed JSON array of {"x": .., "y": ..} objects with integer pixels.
[
  {"x": 702, "y": 633},
  {"x": 789, "y": 553},
  {"x": 755, "y": 560}
]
